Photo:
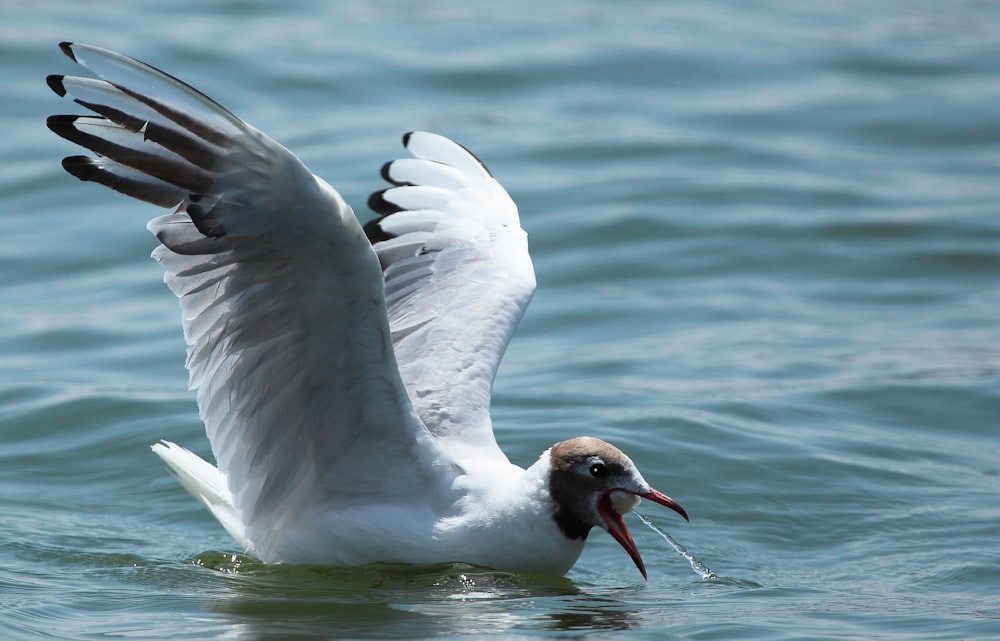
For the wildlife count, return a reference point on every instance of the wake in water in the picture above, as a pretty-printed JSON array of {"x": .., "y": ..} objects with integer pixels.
[{"x": 699, "y": 568}]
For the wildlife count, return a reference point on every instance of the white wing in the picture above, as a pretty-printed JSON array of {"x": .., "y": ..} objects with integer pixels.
[
  {"x": 281, "y": 293},
  {"x": 457, "y": 280}
]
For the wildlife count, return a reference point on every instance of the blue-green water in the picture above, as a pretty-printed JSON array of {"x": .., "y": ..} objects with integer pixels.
[{"x": 767, "y": 242}]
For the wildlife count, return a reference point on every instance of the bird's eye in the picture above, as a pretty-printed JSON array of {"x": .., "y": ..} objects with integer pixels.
[{"x": 598, "y": 470}]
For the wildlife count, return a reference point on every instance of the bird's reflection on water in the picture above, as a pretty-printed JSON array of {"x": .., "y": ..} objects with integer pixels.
[{"x": 393, "y": 601}]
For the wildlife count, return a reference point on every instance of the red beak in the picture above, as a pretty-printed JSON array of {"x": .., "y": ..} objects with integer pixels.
[{"x": 616, "y": 524}]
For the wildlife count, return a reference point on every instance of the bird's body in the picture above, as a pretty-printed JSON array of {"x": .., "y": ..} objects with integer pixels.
[
  {"x": 503, "y": 505},
  {"x": 343, "y": 372}
]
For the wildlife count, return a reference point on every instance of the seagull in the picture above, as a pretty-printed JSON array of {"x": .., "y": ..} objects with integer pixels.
[{"x": 343, "y": 371}]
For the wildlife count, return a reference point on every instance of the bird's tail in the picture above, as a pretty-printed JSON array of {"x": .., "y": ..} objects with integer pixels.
[{"x": 206, "y": 483}]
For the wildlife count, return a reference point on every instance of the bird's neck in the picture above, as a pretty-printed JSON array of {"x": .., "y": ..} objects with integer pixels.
[{"x": 511, "y": 512}]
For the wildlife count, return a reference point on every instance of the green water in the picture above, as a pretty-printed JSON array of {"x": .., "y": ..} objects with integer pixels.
[{"x": 767, "y": 242}]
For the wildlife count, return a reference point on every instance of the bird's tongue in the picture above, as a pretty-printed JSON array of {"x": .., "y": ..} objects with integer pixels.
[{"x": 617, "y": 529}]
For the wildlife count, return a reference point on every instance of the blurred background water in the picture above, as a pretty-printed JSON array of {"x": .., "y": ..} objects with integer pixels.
[{"x": 767, "y": 242}]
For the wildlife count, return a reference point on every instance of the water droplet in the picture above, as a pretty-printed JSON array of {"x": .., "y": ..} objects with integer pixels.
[{"x": 700, "y": 568}]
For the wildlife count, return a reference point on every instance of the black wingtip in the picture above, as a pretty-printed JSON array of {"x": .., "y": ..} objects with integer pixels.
[
  {"x": 80, "y": 166},
  {"x": 67, "y": 48},
  {"x": 375, "y": 233},
  {"x": 61, "y": 125},
  {"x": 55, "y": 83},
  {"x": 147, "y": 189},
  {"x": 406, "y": 138},
  {"x": 384, "y": 172},
  {"x": 378, "y": 204}
]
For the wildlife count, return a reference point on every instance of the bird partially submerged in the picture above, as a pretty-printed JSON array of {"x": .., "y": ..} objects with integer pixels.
[{"x": 344, "y": 373}]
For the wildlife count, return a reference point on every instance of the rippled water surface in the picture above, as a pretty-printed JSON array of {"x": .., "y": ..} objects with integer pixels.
[{"x": 767, "y": 242}]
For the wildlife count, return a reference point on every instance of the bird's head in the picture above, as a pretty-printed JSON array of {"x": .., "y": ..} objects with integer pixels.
[{"x": 594, "y": 483}]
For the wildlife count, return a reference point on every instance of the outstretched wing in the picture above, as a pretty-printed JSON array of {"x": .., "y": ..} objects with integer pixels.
[
  {"x": 458, "y": 278},
  {"x": 282, "y": 298}
]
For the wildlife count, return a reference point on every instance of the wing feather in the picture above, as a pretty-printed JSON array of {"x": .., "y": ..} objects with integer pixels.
[
  {"x": 282, "y": 301},
  {"x": 458, "y": 278}
]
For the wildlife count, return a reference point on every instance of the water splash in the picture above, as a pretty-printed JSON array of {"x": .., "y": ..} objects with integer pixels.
[{"x": 699, "y": 568}]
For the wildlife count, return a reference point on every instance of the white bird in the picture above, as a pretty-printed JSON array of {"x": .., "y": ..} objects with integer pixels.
[{"x": 343, "y": 373}]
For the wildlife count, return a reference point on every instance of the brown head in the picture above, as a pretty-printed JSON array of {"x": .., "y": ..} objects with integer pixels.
[{"x": 593, "y": 483}]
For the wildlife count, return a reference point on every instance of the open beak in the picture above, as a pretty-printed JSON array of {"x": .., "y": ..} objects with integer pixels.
[{"x": 616, "y": 524}]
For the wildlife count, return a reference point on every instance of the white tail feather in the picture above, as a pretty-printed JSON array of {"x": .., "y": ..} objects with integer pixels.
[{"x": 206, "y": 483}]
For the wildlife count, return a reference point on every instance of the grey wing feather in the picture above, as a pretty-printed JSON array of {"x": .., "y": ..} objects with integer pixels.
[
  {"x": 282, "y": 297},
  {"x": 458, "y": 278}
]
